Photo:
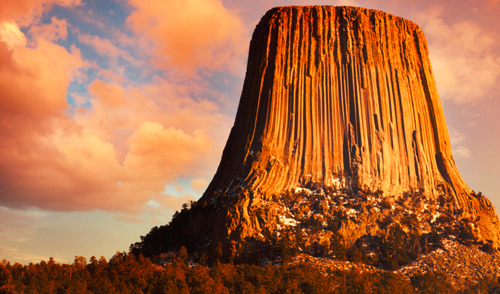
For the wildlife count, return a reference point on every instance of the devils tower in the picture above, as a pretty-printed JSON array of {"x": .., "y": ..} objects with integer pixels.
[{"x": 339, "y": 132}]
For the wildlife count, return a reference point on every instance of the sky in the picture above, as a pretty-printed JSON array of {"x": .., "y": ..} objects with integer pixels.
[{"x": 113, "y": 113}]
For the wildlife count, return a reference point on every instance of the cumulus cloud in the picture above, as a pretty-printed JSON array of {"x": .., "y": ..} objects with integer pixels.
[
  {"x": 112, "y": 95},
  {"x": 461, "y": 151},
  {"x": 190, "y": 35},
  {"x": 105, "y": 47},
  {"x": 108, "y": 159},
  {"x": 161, "y": 153},
  {"x": 27, "y": 12},
  {"x": 33, "y": 88},
  {"x": 34, "y": 81},
  {"x": 199, "y": 185},
  {"x": 115, "y": 156},
  {"x": 120, "y": 142},
  {"x": 457, "y": 139},
  {"x": 56, "y": 30},
  {"x": 465, "y": 67}
]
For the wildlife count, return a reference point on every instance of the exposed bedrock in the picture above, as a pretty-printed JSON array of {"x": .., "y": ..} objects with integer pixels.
[{"x": 341, "y": 97}]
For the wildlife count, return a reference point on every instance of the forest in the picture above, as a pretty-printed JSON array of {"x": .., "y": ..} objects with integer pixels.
[
  {"x": 164, "y": 262},
  {"x": 176, "y": 273}
]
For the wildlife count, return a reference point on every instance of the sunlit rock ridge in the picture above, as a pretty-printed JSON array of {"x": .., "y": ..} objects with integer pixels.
[{"x": 338, "y": 98}]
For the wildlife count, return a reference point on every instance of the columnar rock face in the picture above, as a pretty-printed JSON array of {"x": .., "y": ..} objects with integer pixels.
[{"x": 344, "y": 98}]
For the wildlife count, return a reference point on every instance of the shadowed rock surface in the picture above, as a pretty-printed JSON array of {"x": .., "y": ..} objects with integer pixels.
[{"x": 339, "y": 143}]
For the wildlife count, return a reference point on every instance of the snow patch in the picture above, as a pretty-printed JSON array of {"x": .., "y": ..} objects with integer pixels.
[
  {"x": 298, "y": 190},
  {"x": 288, "y": 221}
]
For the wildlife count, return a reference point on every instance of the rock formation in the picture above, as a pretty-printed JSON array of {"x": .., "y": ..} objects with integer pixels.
[
  {"x": 339, "y": 131},
  {"x": 342, "y": 97}
]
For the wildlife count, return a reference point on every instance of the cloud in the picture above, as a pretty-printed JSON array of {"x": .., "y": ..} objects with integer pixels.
[
  {"x": 105, "y": 47},
  {"x": 456, "y": 137},
  {"x": 461, "y": 151},
  {"x": 465, "y": 67},
  {"x": 27, "y": 12},
  {"x": 34, "y": 81},
  {"x": 161, "y": 153},
  {"x": 115, "y": 156},
  {"x": 199, "y": 185},
  {"x": 112, "y": 95},
  {"x": 190, "y": 35},
  {"x": 54, "y": 31},
  {"x": 120, "y": 142},
  {"x": 456, "y": 140},
  {"x": 23, "y": 257},
  {"x": 11, "y": 35},
  {"x": 12, "y": 220}
]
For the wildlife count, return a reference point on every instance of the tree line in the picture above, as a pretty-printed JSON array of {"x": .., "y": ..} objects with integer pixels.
[{"x": 175, "y": 273}]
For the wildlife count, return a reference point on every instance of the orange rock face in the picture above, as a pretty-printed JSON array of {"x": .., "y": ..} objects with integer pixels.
[{"x": 342, "y": 97}]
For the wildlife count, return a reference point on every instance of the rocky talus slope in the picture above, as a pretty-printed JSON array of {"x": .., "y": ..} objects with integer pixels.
[
  {"x": 461, "y": 265},
  {"x": 339, "y": 149}
]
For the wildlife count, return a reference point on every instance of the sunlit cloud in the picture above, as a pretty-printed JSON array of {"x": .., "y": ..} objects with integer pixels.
[
  {"x": 21, "y": 256},
  {"x": 164, "y": 153},
  {"x": 457, "y": 139},
  {"x": 105, "y": 47},
  {"x": 11, "y": 220},
  {"x": 115, "y": 156},
  {"x": 119, "y": 151},
  {"x": 465, "y": 67},
  {"x": 461, "y": 151},
  {"x": 189, "y": 35},
  {"x": 11, "y": 35},
  {"x": 27, "y": 12},
  {"x": 112, "y": 95},
  {"x": 54, "y": 31},
  {"x": 199, "y": 185}
]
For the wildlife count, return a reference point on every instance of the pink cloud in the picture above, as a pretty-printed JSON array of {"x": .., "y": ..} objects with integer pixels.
[
  {"x": 112, "y": 74},
  {"x": 164, "y": 153},
  {"x": 28, "y": 11},
  {"x": 465, "y": 66},
  {"x": 116, "y": 156},
  {"x": 199, "y": 185},
  {"x": 106, "y": 48},
  {"x": 11, "y": 220},
  {"x": 47, "y": 69},
  {"x": 112, "y": 95},
  {"x": 191, "y": 34},
  {"x": 56, "y": 30},
  {"x": 102, "y": 46}
]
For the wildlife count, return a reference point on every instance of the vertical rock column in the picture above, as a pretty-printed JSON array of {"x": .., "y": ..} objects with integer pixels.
[{"x": 344, "y": 97}]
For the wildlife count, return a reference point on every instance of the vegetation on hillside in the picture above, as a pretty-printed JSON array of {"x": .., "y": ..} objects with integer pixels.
[
  {"x": 180, "y": 257},
  {"x": 127, "y": 273},
  {"x": 408, "y": 227}
]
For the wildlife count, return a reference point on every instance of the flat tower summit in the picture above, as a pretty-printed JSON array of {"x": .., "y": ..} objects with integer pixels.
[{"x": 339, "y": 132}]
